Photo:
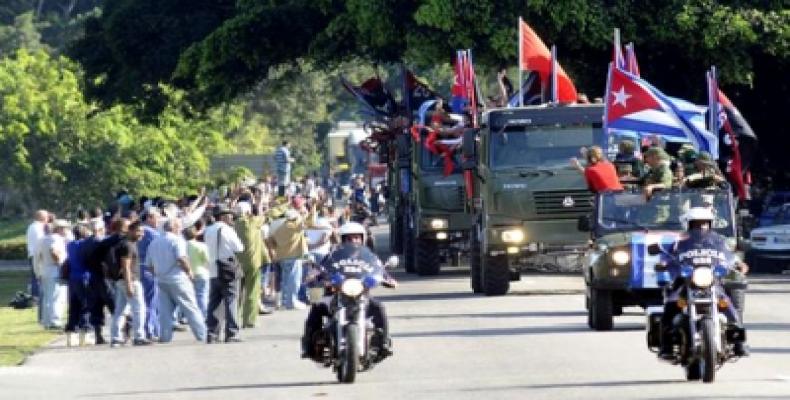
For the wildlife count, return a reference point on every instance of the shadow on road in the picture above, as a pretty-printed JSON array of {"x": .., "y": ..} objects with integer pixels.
[
  {"x": 520, "y": 314},
  {"x": 519, "y": 331},
  {"x": 577, "y": 385},
  {"x": 425, "y": 296},
  {"x": 768, "y": 326},
  {"x": 770, "y": 350},
  {"x": 213, "y": 388}
]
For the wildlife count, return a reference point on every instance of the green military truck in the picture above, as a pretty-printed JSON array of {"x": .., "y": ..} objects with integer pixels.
[
  {"x": 427, "y": 219},
  {"x": 527, "y": 198},
  {"x": 618, "y": 269}
]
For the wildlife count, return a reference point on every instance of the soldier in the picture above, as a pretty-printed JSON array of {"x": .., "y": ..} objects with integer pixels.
[
  {"x": 705, "y": 174},
  {"x": 659, "y": 176}
]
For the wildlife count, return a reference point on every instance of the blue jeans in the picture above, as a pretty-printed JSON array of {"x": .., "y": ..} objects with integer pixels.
[
  {"x": 179, "y": 293},
  {"x": 291, "y": 280},
  {"x": 52, "y": 302},
  {"x": 201, "y": 294},
  {"x": 122, "y": 301},
  {"x": 151, "y": 296}
]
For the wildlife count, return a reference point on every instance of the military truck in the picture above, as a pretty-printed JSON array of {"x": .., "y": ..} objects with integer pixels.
[
  {"x": 526, "y": 197},
  {"x": 618, "y": 270},
  {"x": 427, "y": 219}
]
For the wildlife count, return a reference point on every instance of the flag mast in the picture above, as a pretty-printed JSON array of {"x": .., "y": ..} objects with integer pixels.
[
  {"x": 606, "y": 108},
  {"x": 518, "y": 62}
]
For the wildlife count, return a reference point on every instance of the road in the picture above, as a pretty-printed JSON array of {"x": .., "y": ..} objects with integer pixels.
[{"x": 448, "y": 343}]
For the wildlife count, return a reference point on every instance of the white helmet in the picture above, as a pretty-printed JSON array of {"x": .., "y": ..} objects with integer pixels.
[
  {"x": 698, "y": 214},
  {"x": 352, "y": 228}
]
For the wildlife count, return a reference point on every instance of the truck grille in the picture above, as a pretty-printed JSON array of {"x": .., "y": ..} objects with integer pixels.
[
  {"x": 563, "y": 203},
  {"x": 460, "y": 198}
]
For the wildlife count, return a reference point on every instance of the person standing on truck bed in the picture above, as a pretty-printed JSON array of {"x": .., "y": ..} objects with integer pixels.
[{"x": 600, "y": 174}]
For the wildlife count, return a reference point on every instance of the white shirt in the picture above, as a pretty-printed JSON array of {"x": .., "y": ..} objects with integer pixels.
[
  {"x": 229, "y": 245},
  {"x": 35, "y": 232},
  {"x": 316, "y": 233},
  {"x": 44, "y": 264}
]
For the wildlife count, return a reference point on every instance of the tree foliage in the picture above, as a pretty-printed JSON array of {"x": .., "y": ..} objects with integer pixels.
[{"x": 59, "y": 151}]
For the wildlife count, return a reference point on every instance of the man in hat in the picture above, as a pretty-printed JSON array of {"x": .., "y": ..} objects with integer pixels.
[
  {"x": 705, "y": 174},
  {"x": 49, "y": 259},
  {"x": 289, "y": 247},
  {"x": 224, "y": 247}
]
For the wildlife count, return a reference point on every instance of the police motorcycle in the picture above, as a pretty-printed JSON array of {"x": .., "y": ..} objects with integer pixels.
[
  {"x": 348, "y": 340},
  {"x": 703, "y": 336}
]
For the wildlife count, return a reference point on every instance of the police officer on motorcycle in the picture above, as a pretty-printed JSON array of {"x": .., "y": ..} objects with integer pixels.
[
  {"x": 699, "y": 238},
  {"x": 352, "y": 247}
]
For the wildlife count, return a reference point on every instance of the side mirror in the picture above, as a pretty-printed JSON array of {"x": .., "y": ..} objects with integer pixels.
[
  {"x": 583, "y": 224},
  {"x": 392, "y": 262},
  {"x": 654, "y": 249}
]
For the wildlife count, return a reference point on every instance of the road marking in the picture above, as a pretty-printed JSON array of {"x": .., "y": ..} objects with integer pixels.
[{"x": 783, "y": 378}]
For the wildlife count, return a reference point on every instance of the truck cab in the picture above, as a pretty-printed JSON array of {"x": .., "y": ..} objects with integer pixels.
[{"x": 526, "y": 197}]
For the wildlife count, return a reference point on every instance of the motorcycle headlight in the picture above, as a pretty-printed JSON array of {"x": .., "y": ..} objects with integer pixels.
[
  {"x": 702, "y": 277},
  {"x": 439, "y": 223},
  {"x": 513, "y": 236},
  {"x": 621, "y": 257},
  {"x": 352, "y": 287}
]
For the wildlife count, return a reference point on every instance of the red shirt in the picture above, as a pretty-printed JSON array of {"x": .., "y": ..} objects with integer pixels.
[{"x": 601, "y": 177}]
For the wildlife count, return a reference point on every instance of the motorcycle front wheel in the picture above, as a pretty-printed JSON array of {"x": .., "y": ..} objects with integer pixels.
[
  {"x": 349, "y": 359},
  {"x": 708, "y": 359}
]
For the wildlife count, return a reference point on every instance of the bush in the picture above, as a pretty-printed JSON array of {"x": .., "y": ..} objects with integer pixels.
[{"x": 13, "y": 250}]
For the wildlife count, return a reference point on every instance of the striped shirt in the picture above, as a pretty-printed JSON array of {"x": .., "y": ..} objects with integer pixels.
[{"x": 282, "y": 159}]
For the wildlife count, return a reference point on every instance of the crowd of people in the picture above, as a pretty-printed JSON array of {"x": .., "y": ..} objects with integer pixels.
[
  {"x": 653, "y": 168},
  {"x": 213, "y": 262}
]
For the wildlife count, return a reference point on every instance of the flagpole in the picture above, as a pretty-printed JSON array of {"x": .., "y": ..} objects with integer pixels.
[
  {"x": 553, "y": 79},
  {"x": 606, "y": 108},
  {"x": 518, "y": 62}
]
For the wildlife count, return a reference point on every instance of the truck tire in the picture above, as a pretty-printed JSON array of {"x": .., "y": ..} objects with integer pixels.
[
  {"x": 601, "y": 310},
  {"x": 408, "y": 248},
  {"x": 427, "y": 261},
  {"x": 496, "y": 275},
  {"x": 475, "y": 269}
]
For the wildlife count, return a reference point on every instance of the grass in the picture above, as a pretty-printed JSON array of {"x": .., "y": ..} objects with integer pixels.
[
  {"x": 13, "y": 230},
  {"x": 20, "y": 334}
]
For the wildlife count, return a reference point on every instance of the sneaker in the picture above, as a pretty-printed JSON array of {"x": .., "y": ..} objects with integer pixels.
[
  {"x": 141, "y": 342},
  {"x": 233, "y": 339},
  {"x": 211, "y": 340},
  {"x": 115, "y": 343},
  {"x": 179, "y": 328},
  {"x": 263, "y": 310},
  {"x": 298, "y": 305}
]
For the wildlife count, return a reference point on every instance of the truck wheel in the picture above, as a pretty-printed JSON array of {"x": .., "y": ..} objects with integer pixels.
[
  {"x": 427, "y": 257},
  {"x": 475, "y": 269},
  {"x": 408, "y": 248},
  {"x": 496, "y": 275},
  {"x": 601, "y": 310}
]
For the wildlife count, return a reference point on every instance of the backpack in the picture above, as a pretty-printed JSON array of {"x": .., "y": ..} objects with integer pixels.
[{"x": 105, "y": 256}]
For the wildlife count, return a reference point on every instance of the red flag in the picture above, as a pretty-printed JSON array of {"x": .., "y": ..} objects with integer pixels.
[
  {"x": 734, "y": 165},
  {"x": 631, "y": 65},
  {"x": 535, "y": 56}
]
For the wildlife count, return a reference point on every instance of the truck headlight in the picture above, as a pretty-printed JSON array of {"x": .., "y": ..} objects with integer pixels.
[
  {"x": 352, "y": 287},
  {"x": 621, "y": 257},
  {"x": 513, "y": 236},
  {"x": 702, "y": 277},
  {"x": 438, "y": 223}
]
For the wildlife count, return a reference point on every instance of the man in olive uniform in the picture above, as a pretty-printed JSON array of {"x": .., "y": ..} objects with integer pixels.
[
  {"x": 705, "y": 174},
  {"x": 659, "y": 175},
  {"x": 248, "y": 227}
]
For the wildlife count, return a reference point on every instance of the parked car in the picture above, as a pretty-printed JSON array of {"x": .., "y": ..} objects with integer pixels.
[{"x": 769, "y": 249}]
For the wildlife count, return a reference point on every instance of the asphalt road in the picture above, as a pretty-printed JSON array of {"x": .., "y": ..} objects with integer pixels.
[{"x": 448, "y": 343}]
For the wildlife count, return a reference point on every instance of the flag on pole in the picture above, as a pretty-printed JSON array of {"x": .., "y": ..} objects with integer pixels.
[
  {"x": 617, "y": 51},
  {"x": 631, "y": 65},
  {"x": 633, "y": 104},
  {"x": 529, "y": 93},
  {"x": 535, "y": 56},
  {"x": 459, "y": 92}
]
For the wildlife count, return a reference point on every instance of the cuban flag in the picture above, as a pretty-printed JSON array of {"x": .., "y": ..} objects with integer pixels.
[
  {"x": 643, "y": 264},
  {"x": 633, "y": 104}
]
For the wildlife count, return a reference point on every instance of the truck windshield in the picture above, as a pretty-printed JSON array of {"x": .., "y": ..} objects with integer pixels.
[
  {"x": 540, "y": 146},
  {"x": 631, "y": 211}
]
